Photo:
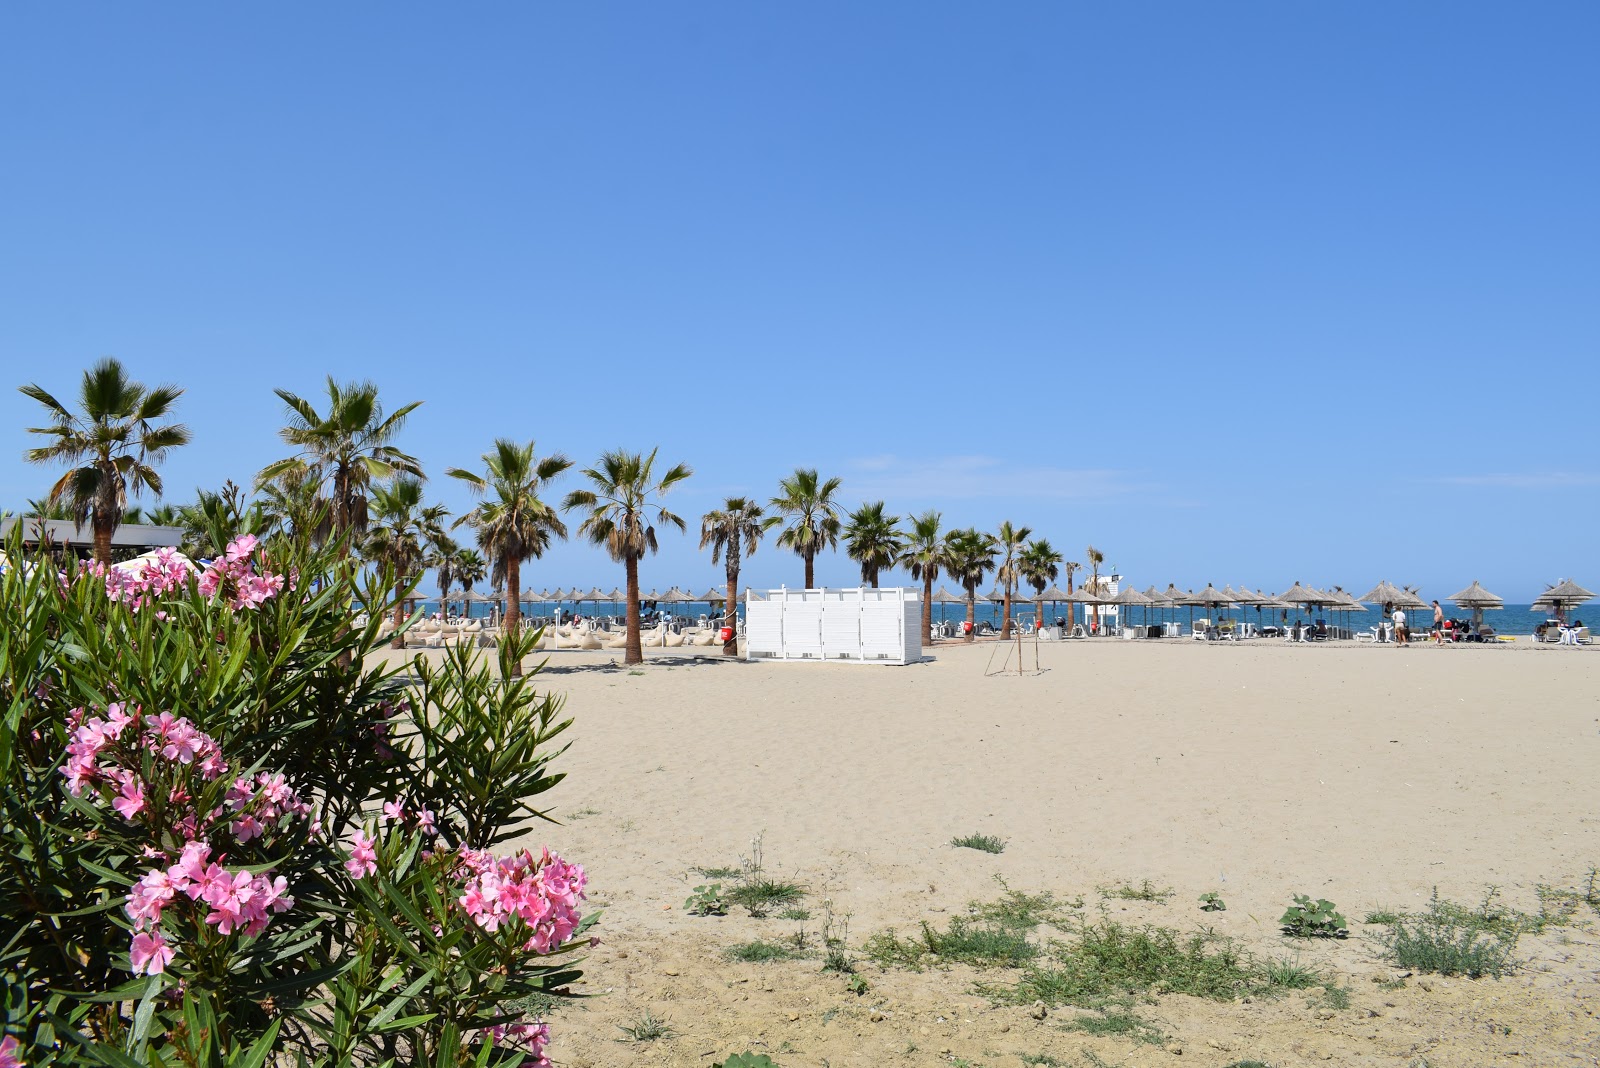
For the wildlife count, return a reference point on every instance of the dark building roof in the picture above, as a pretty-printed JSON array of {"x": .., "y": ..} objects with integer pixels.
[{"x": 65, "y": 532}]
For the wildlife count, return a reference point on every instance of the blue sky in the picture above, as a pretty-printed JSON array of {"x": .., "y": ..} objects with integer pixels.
[{"x": 1237, "y": 292}]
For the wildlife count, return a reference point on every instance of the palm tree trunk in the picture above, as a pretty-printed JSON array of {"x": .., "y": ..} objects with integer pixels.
[
  {"x": 730, "y": 616},
  {"x": 1005, "y": 614},
  {"x": 874, "y": 578},
  {"x": 634, "y": 652},
  {"x": 102, "y": 537},
  {"x": 513, "y": 617},
  {"x": 1038, "y": 611},
  {"x": 927, "y": 606},
  {"x": 809, "y": 570},
  {"x": 399, "y": 640},
  {"x": 972, "y": 615}
]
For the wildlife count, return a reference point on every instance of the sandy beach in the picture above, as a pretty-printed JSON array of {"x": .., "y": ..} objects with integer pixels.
[{"x": 1368, "y": 776}]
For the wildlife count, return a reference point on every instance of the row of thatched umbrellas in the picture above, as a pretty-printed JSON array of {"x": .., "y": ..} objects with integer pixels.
[
  {"x": 595, "y": 596},
  {"x": 1561, "y": 597}
]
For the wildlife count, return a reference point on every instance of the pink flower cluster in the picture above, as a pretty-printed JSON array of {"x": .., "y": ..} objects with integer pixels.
[
  {"x": 172, "y": 737},
  {"x": 235, "y": 576},
  {"x": 137, "y": 584},
  {"x": 232, "y": 901},
  {"x": 531, "y": 1036},
  {"x": 543, "y": 893},
  {"x": 267, "y": 796}
]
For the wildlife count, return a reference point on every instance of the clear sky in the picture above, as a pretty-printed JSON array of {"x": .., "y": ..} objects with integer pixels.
[{"x": 1237, "y": 292}]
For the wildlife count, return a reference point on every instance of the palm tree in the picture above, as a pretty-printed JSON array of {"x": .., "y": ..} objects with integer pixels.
[
  {"x": 344, "y": 451},
  {"x": 619, "y": 518},
  {"x": 513, "y": 523},
  {"x": 217, "y": 517},
  {"x": 400, "y": 535},
  {"x": 164, "y": 515},
  {"x": 733, "y": 532},
  {"x": 814, "y": 518},
  {"x": 114, "y": 445},
  {"x": 443, "y": 561},
  {"x": 469, "y": 569},
  {"x": 1010, "y": 541},
  {"x": 923, "y": 555},
  {"x": 968, "y": 557},
  {"x": 873, "y": 540},
  {"x": 1040, "y": 565},
  {"x": 1070, "y": 568},
  {"x": 1096, "y": 558}
]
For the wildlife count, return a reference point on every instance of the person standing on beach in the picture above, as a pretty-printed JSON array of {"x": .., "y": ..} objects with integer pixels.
[
  {"x": 1438, "y": 624},
  {"x": 1399, "y": 618}
]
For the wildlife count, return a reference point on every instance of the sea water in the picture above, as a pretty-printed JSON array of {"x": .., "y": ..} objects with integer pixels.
[{"x": 1513, "y": 619}]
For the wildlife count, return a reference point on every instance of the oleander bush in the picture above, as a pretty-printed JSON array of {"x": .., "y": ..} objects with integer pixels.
[{"x": 226, "y": 838}]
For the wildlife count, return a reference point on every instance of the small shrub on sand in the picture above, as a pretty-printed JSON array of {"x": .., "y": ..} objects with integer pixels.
[
  {"x": 761, "y": 952},
  {"x": 707, "y": 901},
  {"x": 1122, "y": 1022},
  {"x": 985, "y": 843},
  {"x": 1145, "y": 891},
  {"x": 1441, "y": 941},
  {"x": 1109, "y": 959},
  {"x": 648, "y": 1028},
  {"x": 1022, "y": 910},
  {"x": 760, "y": 895},
  {"x": 1290, "y": 975},
  {"x": 1313, "y": 919},
  {"x": 1212, "y": 902},
  {"x": 982, "y": 944},
  {"x": 747, "y": 1060}
]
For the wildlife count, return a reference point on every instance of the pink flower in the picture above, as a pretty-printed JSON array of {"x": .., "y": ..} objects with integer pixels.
[
  {"x": 393, "y": 811},
  {"x": 150, "y": 953},
  {"x": 9, "y": 1057},
  {"x": 246, "y": 828},
  {"x": 148, "y": 897},
  {"x": 117, "y": 718},
  {"x": 363, "y": 857},
  {"x": 131, "y": 799},
  {"x": 425, "y": 821}
]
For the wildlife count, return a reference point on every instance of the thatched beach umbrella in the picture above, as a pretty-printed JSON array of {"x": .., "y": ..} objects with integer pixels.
[
  {"x": 1478, "y": 599},
  {"x": 1385, "y": 594},
  {"x": 1563, "y": 597},
  {"x": 942, "y": 597}
]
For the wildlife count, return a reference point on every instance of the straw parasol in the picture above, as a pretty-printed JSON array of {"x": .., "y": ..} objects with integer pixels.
[
  {"x": 1477, "y": 598},
  {"x": 1385, "y": 593},
  {"x": 1563, "y": 596}
]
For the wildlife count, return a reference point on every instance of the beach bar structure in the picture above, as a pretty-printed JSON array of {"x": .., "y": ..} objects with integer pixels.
[
  {"x": 851, "y": 625},
  {"x": 128, "y": 540}
]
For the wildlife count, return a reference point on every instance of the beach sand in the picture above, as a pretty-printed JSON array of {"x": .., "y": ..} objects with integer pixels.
[{"x": 1365, "y": 775}]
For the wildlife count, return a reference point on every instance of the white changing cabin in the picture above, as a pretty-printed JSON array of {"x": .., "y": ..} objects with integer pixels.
[{"x": 854, "y": 625}]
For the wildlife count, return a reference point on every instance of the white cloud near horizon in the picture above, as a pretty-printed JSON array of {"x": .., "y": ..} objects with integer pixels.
[
  {"x": 1526, "y": 480},
  {"x": 971, "y": 477}
]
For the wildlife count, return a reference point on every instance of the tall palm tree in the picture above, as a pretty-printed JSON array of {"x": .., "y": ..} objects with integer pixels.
[
  {"x": 114, "y": 445},
  {"x": 1070, "y": 568},
  {"x": 619, "y": 518},
  {"x": 1095, "y": 558},
  {"x": 443, "y": 561},
  {"x": 969, "y": 556},
  {"x": 401, "y": 532},
  {"x": 733, "y": 532},
  {"x": 1010, "y": 540},
  {"x": 469, "y": 569},
  {"x": 924, "y": 556},
  {"x": 873, "y": 540},
  {"x": 1040, "y": 565},
  {"x": 344, "y": 451},
  {"x": 513, "y": 522},
  {"x": 813, "y": 516}
]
